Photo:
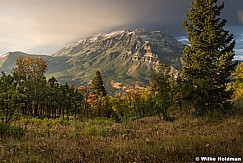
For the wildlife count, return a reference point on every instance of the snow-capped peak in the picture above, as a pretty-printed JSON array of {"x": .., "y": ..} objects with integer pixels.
[{"x": 115, "y": 33}]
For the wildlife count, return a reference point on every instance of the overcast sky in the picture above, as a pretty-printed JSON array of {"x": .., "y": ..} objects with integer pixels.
[{"x": 45, "y": 26}]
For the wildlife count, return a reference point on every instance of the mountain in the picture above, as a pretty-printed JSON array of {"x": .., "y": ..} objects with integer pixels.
[
  {"x": 55, "y": 64},
  {"x": 123, "y": 56}
]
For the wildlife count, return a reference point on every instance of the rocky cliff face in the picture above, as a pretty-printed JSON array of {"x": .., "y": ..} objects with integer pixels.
[
  {"x": 121, "y": 56},
  {"x": 138, "y": 45},
  {"x": 124, "y": 56}
]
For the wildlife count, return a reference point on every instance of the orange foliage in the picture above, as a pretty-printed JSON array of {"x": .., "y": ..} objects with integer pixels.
[{"x": 30, "y": 67}]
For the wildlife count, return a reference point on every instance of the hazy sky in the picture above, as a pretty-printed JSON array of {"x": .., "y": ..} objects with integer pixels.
[{"x": 45, "y": 26}]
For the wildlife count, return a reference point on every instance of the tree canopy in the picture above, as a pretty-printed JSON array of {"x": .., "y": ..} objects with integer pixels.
[
  {"x": 208, "y": 58},
  {"x": 29, "y": 67}
]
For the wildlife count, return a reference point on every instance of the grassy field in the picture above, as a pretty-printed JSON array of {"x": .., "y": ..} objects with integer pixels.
[{"x": 144, "y": 140}]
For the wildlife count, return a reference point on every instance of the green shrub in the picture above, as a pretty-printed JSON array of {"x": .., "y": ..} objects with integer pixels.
[
  {"x": 170, "y": 119},
  {"x": 79, "y": 126},
  {"x": 214, "y": 116},
  {"x": 62, "y": 122},
  {"x": 103, "y": 132},
  {"x": 8, "y": 130},
  {"x": 238, "y": 106},
  {"x": 92, "y": 131}
]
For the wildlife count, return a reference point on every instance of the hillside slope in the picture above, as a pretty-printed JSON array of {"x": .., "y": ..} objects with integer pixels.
[
  {"x": 121, "y": 56},
  {"x": 55, "y": 64}
]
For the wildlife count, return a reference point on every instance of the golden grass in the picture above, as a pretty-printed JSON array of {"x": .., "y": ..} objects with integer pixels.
[{"x": 144, "y": 140}]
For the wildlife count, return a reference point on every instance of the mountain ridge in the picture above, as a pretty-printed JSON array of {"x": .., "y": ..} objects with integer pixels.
[{"x": 121, "y": 56}]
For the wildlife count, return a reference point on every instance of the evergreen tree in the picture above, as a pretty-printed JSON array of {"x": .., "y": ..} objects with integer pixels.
[
  {"x": 209, "y": 57},
  {"x": 85, "y": 91},
  {"x": 97, "y": 85},
  {"x": 98, "y": 89},
  {"x": 10, "y": 98}
]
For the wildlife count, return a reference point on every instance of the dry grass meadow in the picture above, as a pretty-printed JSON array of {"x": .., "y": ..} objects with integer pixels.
[{"x": 144, "y": 140}]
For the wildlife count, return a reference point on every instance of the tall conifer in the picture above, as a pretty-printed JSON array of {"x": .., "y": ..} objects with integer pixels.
[
  {"x": 98, "y": 89},
  {"x": 97, "y": 85},
  {"x": 208, "y": 58}
]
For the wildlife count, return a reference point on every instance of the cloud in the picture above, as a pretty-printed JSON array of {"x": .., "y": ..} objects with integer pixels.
[
  {"x": 29, "y": 25},
  {"x": 239, "y": 54},
  {"x": 184, "y": 40},
  {"x": 240, "y": 15},
  {"x": 239, "y": 47},
  {"x": 36, "y": 23}
]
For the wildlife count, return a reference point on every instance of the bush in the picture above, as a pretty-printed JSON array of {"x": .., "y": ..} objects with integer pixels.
[
  {"x": 214, "y": 117},
  {"x": 8, "y": 130},
  {"x": 170, "y": 119},
  {"x": 62, "y": 122},
  {"x": 238, "y": 106},
  {"x": 92, "y": 131}
]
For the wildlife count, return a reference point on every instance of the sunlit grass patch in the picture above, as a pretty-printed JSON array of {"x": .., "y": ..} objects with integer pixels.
[{"x": 143, "y": 140}]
